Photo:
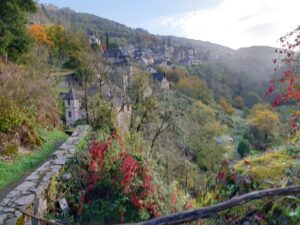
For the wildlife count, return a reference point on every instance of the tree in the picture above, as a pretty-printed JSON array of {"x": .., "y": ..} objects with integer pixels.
[
  {"x": 264, "y": 127},
  {"x": 107, "y": 42},
  {"x": 143, "y": 99},
  {"x": 264, "y": 119},
  {"x": 244, "y": 148},
  {"x": 285, "y": 86},
  {"x": 226, "y": 106},
  {"x": 286, "y": 65},
  {"x": 174, "y": 74},
  {"x": 239, "y": 102},
  {"x": 199, "y": 130},
  {"x": 39, "y": 33},
  {"x": 195, "y": 88},
  {"x": 14, "y": 39}
]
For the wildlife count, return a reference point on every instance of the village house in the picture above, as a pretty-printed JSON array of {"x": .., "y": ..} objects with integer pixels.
[
  {"x": 161, "y": 80},
  {"x": 94, "y": 40},
  {"x": 74, "y": 110}
]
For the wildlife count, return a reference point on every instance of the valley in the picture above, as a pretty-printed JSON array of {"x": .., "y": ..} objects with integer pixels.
[{"x": 175, "y": 124}]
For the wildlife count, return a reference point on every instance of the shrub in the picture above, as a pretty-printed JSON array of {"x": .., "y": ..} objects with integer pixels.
[
  {"x": 101, "y": 113},
  {"x": 195, "y": 88},
  {"x": 110, "y": 185},
  {"x": 31, "y": 94},
  {"x": 210, "y": 156},
  {"x": 226, "y": 105},
  {"x": 244, "y": 148},
  {"x": 11, "y": 116}
]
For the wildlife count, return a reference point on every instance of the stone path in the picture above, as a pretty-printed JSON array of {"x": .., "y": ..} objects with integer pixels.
[{"x": 30, "y": 194}]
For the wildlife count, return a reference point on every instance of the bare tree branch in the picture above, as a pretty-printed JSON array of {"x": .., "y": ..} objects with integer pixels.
[
  {"x": 192, "y": 215},
  {"x": 38, "y": 218}
]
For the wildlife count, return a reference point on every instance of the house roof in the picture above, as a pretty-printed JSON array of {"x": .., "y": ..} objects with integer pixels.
[
  {"x": 158, "y": 76},
  {"x": 123, "y": 62},
  {"x": 114, "y": 53},
  {"x": 71, "y": 95}
]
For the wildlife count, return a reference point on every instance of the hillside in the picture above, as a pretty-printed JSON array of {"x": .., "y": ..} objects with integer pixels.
[
  {"x": 254, "y": 62},
  {"x": 174, "y": 129}
]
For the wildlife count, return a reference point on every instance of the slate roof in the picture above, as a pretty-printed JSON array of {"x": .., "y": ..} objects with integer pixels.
[
  {"x": 123, "y": 62},
  {"x": 71, "y": 95},
  {"x": 158, "y": 76},
  {"x": 114, "y": 53}
]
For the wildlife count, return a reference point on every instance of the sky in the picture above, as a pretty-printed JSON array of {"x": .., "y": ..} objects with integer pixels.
[{"x": 232, "y": 23}]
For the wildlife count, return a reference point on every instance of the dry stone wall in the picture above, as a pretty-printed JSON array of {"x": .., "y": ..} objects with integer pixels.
[{"x": 30, "y": 194}]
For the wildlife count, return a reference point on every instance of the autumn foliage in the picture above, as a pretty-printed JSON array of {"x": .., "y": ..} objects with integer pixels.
[
  {"x": 285, "y": 87},
  {"x": 114, "y": 176},
  {"x": 40, "y": 34}
]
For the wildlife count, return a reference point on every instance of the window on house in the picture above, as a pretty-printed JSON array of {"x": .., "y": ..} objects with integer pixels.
[{"x": 70, "y": 114}]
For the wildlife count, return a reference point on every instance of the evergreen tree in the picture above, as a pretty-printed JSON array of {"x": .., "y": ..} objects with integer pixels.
[
  {"x": 244, "y": 148},
  {"x": 14, "y": 39},
  {"x": 107, "y": 41}
]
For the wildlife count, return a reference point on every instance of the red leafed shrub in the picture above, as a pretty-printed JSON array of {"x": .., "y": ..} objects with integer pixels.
[
  {"x": 285, "y": 87},
  {"x": 115, "y": 185}
]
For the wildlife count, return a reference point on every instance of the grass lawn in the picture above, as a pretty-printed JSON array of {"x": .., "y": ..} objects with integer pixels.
[{"x": 12, "y": 171}]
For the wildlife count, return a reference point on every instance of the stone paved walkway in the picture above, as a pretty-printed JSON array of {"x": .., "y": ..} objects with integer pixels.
[{"x": 30, "y": 194}]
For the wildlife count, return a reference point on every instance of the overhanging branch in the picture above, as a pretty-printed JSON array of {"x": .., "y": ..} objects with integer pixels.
[{"x": 192, "y": 215}]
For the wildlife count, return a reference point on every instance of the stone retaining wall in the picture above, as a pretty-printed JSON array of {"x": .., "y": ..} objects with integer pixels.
[{"x": 30, "y": 195}]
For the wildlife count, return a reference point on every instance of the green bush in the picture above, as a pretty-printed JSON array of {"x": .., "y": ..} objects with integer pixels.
[
  {"x": 100, "y": 113},
  {"x": 210, "y": 156},
  {"x": 244, "y": 148},
  {"x": 11, "y": 115}
]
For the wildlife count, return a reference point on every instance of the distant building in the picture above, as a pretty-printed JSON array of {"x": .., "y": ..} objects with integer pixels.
[
  {"x": 74, "y": 110},
  {"x": 94, "y": 40},
  {"x": 161, "y": 80},
  {"x": 168, "y": 49},
  {"x": 151, "y": 69},
  {"x": 121, "y": 105}
]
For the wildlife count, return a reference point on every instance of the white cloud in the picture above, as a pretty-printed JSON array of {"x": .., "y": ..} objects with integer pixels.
[{"x": 234, "y": 23}]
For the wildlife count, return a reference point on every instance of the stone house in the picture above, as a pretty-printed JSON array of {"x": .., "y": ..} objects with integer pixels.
[
  {"x": 161, "y": 80},
  {"x": 74, "y": 110},
  {"x": 94, "y": 40}
]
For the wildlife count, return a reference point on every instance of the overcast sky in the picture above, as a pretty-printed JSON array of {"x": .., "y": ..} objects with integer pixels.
[{"x": 233, "y": 23}]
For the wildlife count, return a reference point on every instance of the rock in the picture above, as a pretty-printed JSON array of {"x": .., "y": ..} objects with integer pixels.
[
  {"x": 60, "y": 161},
  {"x": 14, "y": 193},
  {"x": 11, "y": 221},
  {"x": 47, "y": 177},
  {"x": 8, "y": 210},
  {"x": 25, "y": 186},
  {"x": 18, "y": 214},
  {"x": 55, "y": 168},
  {"x": 40, "y": 189},
  {"x": 4, "y": 201},
  {"x": 26, "y": 200},
  {"x": 66, "y": 176},
  {"x": 63, "y": 205},
  {"x": 44, "y": 167},
  {"x": 2, "y": 218},
  {"x": 33, "y": 176}
]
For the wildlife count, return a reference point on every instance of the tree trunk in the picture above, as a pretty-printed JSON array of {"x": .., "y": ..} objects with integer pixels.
[{"x": 210, "y": 211}]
